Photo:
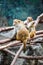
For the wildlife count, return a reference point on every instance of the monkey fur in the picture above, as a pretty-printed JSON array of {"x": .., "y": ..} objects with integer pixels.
[
  {"x": 32, "y": 30},
  {"x": 22, "y": 32}
]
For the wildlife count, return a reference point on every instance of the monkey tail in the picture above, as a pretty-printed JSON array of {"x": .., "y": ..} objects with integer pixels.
[{"x": 24, "y": 48}]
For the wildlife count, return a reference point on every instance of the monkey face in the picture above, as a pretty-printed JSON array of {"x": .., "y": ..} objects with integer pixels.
[
  {"x": 29, "y": 19},
  {"x": 16, "y": 22}
]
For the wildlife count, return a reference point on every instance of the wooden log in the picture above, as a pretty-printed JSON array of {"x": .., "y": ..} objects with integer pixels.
[
  {"x": 39, "y": 32},
  {"x": 9, "y": 44},
  {"x": 16, "y": 55}
]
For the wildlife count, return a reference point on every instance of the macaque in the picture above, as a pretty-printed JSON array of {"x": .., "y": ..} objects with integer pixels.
[
  {"x": 17, "y": 22},
  {"x": 30, "y": 26},
  {"x": 22, "y": 32},
  {"x": 33, "y": 30}
]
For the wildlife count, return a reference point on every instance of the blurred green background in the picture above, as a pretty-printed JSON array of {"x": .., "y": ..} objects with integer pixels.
[{"x": 20, "y": 9}]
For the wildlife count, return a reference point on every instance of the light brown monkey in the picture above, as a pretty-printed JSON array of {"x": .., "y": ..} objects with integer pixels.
[
  {"x": 16, "y": 22},
  {"x": 22, "y": 32},
  {"x": 30, "y": 26}
]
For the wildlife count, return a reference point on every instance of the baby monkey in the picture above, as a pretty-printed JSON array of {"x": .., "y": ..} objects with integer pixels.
[
  {"x": 22, "y": 32},
  {"x": 30, "y": 26}
]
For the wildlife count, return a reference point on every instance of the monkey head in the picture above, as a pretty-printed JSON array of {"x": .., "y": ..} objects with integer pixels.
[
  {"x": 17, "y": 21},
  {"x": 29, "y": 19}
]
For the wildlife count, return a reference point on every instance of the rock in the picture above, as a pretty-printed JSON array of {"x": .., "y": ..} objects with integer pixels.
[{"x": 3, "y": 22}]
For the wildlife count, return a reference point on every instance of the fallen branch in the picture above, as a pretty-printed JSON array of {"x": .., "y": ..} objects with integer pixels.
[
  {"x": 25, "y": 57},
  {"x": 6, "y": 28},
  {"x": 37, "y": 36},
  {"x": 15, "y": 43},
  {"x": 39, "y": 32},
  {"x": 16, "y": 55},
  {"x": 9, "y": 44},
  {"x": 18, "y": 42},
  {"x": 5, "y": 41},
  {"x": 38, "y": 20}
]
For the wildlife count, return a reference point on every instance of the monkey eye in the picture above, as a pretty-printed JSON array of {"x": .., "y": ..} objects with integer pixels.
[{"x": 19, "y": 21}]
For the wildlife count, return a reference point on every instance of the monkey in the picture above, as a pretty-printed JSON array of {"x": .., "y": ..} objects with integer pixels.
[
  {"x": 30, "y": 26},
  {"x": 22, "y": 32},
  {"x": 17, "y": 21},
  {"x": 39, "y": 19}
]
